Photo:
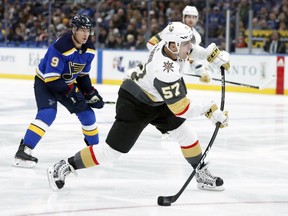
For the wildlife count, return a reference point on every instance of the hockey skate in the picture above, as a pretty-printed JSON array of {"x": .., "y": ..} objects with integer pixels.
[
  {"x": 23, "y": 157},
  {"x": 57, "y": 173},
  {"x": 206, "y": 181}
]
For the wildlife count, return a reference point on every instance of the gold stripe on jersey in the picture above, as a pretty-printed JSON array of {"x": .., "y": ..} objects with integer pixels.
[
  {"x": 90, "y": 132},
  {"x": 87, "y": 157},
  {"x": 153, "y": 40},
  {"x": 69, "y": 52},
  {"x": 50, "y": 79},
  {"x": 47, "y": 79},
  {"x": 39, "y": 74},
  {"x": 92, "y": 51},
  {"x": 39, "y": 77},
  {"x": 180, "y": 106},
  {"x": 192, "y": 150},
  {"x": 36, "y": 129}
]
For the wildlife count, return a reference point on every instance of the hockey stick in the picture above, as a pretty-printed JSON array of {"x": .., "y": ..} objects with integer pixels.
[
  {"x": 230, "y": 82},
  {"x": 167, "y": 200},
  {"x": 105, "y": 102},
  {"x": 109, "y": 102}
]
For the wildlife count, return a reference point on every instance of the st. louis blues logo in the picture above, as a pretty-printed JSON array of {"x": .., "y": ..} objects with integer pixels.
[
  {"x": 74, "y": 68},
  {"x": 51, "y": 102}
]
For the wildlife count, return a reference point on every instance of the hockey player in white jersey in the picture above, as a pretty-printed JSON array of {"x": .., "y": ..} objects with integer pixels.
[
  {"x": 199, "y": 67},
  {"x": 155, "y": 93},
  {"x": 190, "y": 17}
]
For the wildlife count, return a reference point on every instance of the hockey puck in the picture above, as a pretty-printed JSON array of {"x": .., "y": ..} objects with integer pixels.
[{"x": 164, "y": 201}]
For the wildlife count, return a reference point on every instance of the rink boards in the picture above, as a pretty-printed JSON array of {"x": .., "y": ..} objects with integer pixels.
[{"x": 109, "y": 67}]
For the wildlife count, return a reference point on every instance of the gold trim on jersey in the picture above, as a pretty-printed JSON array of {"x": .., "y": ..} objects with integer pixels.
[
  {"x": 40, "y": 77},
  {"x": 153, "y": 40},
  {"x": 50, "y": 79},
  {"x": 69, "y": 52},
  {"x": 47, "y": 79},
  {"x": 180, "y": 106},
  {"x": 92, "y": 51}
]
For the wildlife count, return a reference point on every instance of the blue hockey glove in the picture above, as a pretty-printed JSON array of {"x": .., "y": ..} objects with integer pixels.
[
  {"x": 94, "y": 99},
  {"x": 74, "y": 100}
]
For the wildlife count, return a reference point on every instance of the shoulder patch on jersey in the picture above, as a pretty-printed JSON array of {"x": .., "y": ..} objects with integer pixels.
[{"x": 168, "y": 66}]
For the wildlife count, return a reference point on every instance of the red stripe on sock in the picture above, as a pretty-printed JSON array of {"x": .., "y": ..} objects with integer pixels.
[
  {"x": 93, "y": 155},
  {"x": 191, "y": 146}
]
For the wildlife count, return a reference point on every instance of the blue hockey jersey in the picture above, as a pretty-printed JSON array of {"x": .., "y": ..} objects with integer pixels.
[{"x": 64, "y": 61}]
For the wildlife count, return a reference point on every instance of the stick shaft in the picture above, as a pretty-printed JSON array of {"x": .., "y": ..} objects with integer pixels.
[
  {"x": 177, "y": 195},
  {"x": 230, "y": 82}
]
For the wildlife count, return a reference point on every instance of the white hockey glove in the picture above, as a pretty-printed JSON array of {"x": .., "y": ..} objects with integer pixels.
[
  {"x": 216, "y": 115},
  {"x": 217, "y": 57}
]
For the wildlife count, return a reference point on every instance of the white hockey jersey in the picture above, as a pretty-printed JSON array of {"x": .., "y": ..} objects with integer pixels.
[{"x": 158, "y": 81}]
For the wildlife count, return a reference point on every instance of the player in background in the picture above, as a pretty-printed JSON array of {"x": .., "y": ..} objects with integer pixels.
[
  {"x": 190, "y": 16},
  {"x": 63, "y": 76},
  {"x": 155, "y": 93}
]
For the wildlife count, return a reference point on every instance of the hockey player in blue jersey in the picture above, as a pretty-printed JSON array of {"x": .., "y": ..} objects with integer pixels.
[{"x": 63, "y": 76}]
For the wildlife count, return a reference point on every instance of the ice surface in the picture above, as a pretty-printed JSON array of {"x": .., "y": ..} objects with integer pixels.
[{"x": 251, "y": 155}]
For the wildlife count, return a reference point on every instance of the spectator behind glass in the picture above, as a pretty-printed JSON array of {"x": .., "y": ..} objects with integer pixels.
[
  {"x": 216, "y": 21},
  {"x": 274, "y": 44}
]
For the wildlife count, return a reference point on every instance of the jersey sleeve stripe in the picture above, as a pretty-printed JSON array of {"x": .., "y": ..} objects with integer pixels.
[{"x": 180, "y": 107}]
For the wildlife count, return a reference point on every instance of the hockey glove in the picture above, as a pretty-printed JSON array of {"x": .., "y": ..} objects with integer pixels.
[
  {"x": 216, "y": 115},
  {"x": 203, "y": 72},
  {"x": 94, "y": 99},
  {"x": 74, "y": 100},
  {"x": 217, "y": 57},
  {"x": 199, "y": 67}
]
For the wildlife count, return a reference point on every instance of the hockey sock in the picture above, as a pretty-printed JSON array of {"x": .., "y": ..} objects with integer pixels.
[{"x": 192, "y": 153}]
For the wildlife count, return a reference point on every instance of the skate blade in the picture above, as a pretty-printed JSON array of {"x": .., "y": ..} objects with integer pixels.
[
  {"x": 51, "y": 181},
  {"x": 23, "y": 163},
  {"x": 205, "y": 187}
]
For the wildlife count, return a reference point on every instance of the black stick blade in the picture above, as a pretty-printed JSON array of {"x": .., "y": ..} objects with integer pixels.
[
  {"x": 164, "y": 201},
  {"x": 109, "y": 102}
]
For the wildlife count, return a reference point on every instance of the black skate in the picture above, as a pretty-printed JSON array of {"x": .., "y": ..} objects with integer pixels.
[
  {"x": 23, "y": 157},
  {"x": 206, "y": 181},
  {"x": 57, "y": 174}
]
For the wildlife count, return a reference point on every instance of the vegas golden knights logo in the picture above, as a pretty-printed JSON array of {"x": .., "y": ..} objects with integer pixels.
[{"x": 74, "y": 68}]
